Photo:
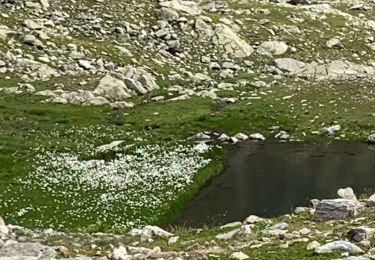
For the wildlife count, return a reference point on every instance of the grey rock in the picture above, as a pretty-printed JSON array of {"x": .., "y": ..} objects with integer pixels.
[
  {"x": 331, "y": 209},
  {"x": 231, "y": 42},
  {"x": 272, "y": 48},
  {"x": 27, "y": 250},
  {"x": 338, "y": 246},
  {"x": 289, "y": 65}
]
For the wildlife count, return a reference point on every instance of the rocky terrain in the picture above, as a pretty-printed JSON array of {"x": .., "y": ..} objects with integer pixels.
[{"x": 113, "y": 114}]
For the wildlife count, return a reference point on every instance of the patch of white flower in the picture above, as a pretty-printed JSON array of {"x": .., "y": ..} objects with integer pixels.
[{"x": 131, "y": 189}]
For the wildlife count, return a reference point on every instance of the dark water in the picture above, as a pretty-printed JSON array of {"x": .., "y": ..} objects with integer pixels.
[{"x": 269, "y": 179}]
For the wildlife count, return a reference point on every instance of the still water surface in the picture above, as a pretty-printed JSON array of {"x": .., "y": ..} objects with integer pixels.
[{"x": 269, "y": 179}]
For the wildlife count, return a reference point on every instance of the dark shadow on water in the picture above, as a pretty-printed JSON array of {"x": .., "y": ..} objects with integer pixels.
[{"x": 270, "y": 179}]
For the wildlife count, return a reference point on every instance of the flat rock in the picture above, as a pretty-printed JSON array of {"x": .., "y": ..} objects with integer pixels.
[{"x": 338, "y": 246}]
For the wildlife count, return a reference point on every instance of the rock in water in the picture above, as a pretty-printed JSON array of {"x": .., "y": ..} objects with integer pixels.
[{"x": 334, "y": 209}]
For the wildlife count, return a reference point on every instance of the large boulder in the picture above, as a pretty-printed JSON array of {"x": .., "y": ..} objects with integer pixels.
[
  {"x": 112, "y": 88},
  {"x": 332, "y": 209},
  {"x": 338, "y": 246},
  {"x": 231, "y": 42}
]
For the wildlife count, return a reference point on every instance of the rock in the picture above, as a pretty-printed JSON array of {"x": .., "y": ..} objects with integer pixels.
[
  {"x": 231, "y": 225},
  {"x": 227, "y": 235},
  {"x": 149, "y": 232},
  {"x": 331, "y": 130},
  {"x": 359, "y": 234},
  {"x": 276, "y": 230},
  {"x": 84, "y": 64},
  {"x": 45, "y": 4},
  {"x": 119, "y": 254},
  {"x": 289, "y": 65},
  {"x": 112, "y": 88},
  {"x": 244, "y": 230},
  {"x": 331, "y": 209},
  {"x": 334, "y": 43},
  {"x": 348, "y": 194},
  {"x": 231, "y": 42},
  {"x": 357, "y": 258},
  {"x": 2, "y": 222},
  {"x": 187, "y": 7},
  {"x": 338, "y": 246},
  {"x": 371, "y": 201},
  {"x": 371, "y": 139},
  {"x": 4, "y": 230},
  {"x": 337, "y": 70},
  {"x": 167, "y": 14},
  {"x": 224, "y": 138},
  {"x": 258, "y": 137},
  {"x": 136, "y": 86},
  {"x": 32, "y": 25},
  {"x": 299, "y": 210},
  {"x": 241, "y": 137},
  {"x": 313, "y": 245},
  {"x": 25, "y": 250},
  {"x": 239, "y": 256},
  {"x": 252, "y": 219},
  {"x": 272, "y": 48}
]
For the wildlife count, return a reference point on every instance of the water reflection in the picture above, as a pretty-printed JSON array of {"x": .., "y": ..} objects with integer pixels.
[{"x": 273, "y": 178}]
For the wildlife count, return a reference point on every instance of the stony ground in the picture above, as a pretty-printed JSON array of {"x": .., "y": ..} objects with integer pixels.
[{"x": 99, "y": 98}]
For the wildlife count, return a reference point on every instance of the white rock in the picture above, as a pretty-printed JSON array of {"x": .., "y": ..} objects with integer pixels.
[
  {"x": 252, "y": 219},
  {"x": 84, "y": 64},
  {"x": 371, "y": 139},
  {"x": 119, "y": 253},
  {"x": 348, "y": 194},
  {"x": 239, "y": 256},
  {"x": 258, "y": 137},
  {"x": 334, "y": 43},
  {"x": 241, "y": 137}
]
